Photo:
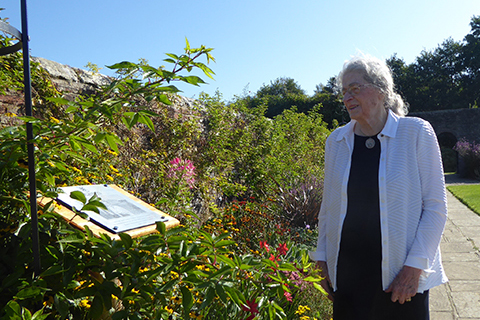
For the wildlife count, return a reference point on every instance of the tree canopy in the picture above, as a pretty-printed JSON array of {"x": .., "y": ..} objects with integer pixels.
[{"x": 447, "y": 77}]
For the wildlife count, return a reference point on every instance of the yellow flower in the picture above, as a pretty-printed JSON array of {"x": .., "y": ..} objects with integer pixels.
[
  {"x": 85, "y": 303},
  {"x": 302, "y": 309},
  {"x": 77, "y": 170},
  {"x": 57, "y": 206},
  {"x": 54, "y": 120},
  {"x": 51, "y": 164},
  {"x": 109, "y": 177},
  {"x": 304, "y": 318},
  {"x": 10, "y": 114},
  {"x": 177, "y": 300},
  {"x": 47, "y": 301},
  {"x": 113, "y": 169},
  {"x": 195, "y": 315},
  {"x": 112, "y": 152},
  {"x": 169, "y": 310},
  {"x": 135, "y": 291}
]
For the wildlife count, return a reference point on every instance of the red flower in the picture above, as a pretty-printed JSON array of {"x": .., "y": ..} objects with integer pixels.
[
  {"x": 264, "y": 244},
  {"x": 273, "y": 258},
  {"x": 252, "y": 308},
  {"x": 282, "y": 249}
]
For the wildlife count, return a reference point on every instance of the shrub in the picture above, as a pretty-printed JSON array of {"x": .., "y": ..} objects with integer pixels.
[
  {"x": 470, "y": 153},
  {"x": 188, "y": 272}
]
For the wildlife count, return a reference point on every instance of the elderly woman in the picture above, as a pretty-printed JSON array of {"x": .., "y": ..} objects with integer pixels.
[{"x": 384, "y": 203}]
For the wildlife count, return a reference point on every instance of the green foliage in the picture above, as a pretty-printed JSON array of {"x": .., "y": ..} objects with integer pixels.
[
  {"x": 443, "y": 78},
  {"x": 125, "y": 134},
  {"x": 285, "y": 94}
]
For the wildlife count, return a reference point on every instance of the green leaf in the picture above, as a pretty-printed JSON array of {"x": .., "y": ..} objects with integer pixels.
[
  {"x": 122, "y": 65},
  {"x": 30, "y": 292},
  {"x": 187, "y": 300},
  {"x": 319, "y": 288},
  {"x": 100, "y": 136},
  {"x": 168, "y": 89},
  {"x": 39, "y": 315},
  {"x": 112, "y": 142},
  {"x": 58, "y": 101},
  {"x": 120, "y": 315},
  {"x": 221, "y": 293},
  {"x": 226, "y": 260},
  {"x": 96, "y": 309},
  {"x": 161, "y": 227},
  {"x": 126, "y": 239},
  {"x": 224, "y": 243},
  {"x": 173, "y": 56},
  {"x": 146, "y": 120},
  {"x": 55, "y": 269},
  {"x": 271, "y": 311},
  {"x": 61, "y": 304},
  {"x": 312, "y": 279},
  {"x": 78, "y": 195},
  {"x": 208, "y": 298},
  {"x": 60, "y": 165},
  {"x": 74, "y": 144},
  {"x": 169, "y": 60},
  {"x": 26, "y": 314},
  {"x": 193, "y": 80},
  {"x": 235, "y": 295},
  {"x": 90, "y": 207},
  {"x": 13, "y": 310}
]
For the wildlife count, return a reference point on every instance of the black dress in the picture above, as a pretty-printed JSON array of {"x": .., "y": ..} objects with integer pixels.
[{"x": 359, "y": 292}]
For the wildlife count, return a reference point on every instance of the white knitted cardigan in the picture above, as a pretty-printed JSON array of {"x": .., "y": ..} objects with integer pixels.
[{"x": 413, "y": 203}]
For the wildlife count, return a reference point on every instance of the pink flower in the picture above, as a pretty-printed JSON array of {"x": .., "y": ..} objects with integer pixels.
[
  {"x": 182, "y": 169},
  {"x": 282, "y": 249},
  {"x": 288, "y": 295}
]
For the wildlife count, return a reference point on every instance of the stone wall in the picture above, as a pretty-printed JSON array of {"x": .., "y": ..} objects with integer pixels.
[
  {"x": 450, "y": 127},
  {"x": 458, "y": 123}
]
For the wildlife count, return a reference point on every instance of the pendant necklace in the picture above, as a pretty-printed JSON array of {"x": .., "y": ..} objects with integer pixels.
[{"x": 370, "y": 143}]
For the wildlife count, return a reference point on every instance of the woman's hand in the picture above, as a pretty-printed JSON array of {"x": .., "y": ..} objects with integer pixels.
[
  {"x": 325, "y": 283},
  {"x": 405, "y": 284}
]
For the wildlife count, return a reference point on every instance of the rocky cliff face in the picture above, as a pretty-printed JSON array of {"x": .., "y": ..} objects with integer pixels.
[{"x": 73, "y": 82}]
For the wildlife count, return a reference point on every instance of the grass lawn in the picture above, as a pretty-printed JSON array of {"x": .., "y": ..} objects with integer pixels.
[{"x": 469, "y": 194}]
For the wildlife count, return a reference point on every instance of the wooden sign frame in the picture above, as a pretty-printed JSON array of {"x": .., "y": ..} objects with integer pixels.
[{"x": 81, "y": 223}]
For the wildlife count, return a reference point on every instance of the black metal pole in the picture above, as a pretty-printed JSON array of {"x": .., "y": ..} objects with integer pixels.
[{"x": 30, "y": 146}]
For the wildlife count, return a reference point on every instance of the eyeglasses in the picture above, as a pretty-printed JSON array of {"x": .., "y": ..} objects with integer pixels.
[{"x": 354, "y": 89}]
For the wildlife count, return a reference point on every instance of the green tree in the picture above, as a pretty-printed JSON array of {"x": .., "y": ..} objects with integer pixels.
[
  {"x": 447, "y": 77},
  {"x": 471, "y": 61},
  {"x": 281, "y": 87}
]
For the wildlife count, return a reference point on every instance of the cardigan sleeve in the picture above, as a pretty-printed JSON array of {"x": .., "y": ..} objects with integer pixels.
[{"x": 434, "y": 201}]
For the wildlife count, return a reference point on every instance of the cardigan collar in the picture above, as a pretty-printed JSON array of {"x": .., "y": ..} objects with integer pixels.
[{"x": 389, "y": 130}]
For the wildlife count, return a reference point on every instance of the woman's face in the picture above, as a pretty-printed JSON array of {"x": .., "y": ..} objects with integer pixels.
[{"x": 364, "y": 101}]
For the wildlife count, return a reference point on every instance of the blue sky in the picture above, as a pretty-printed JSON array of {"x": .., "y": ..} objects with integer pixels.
[{"x": 254, "y": 41}]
